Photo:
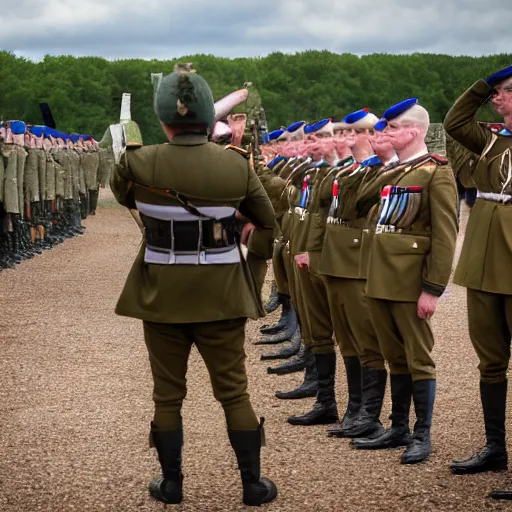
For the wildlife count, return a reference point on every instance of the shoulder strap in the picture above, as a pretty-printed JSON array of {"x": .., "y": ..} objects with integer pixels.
[{"x": 240, "y": 151}]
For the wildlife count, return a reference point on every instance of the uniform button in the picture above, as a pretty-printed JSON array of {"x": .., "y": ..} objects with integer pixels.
[
  {"x": 356, "y": 240},
  {"x": 414, "y": 245}
]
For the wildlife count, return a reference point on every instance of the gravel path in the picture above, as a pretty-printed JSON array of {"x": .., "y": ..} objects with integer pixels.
[{"x": 75, "y": 405}]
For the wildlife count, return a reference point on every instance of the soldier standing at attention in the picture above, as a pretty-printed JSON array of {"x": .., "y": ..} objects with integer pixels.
[
  {"x": 187, "y": 193},
  {"x": 484, "y": 266},
  {"x": 412, "y": 247}
]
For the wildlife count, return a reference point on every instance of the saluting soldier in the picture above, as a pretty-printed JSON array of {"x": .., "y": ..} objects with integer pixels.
[
  {"x": 484, "y": 266},
  {"x": 412, "y": 241},
  {"x": 187, "y": 193}
]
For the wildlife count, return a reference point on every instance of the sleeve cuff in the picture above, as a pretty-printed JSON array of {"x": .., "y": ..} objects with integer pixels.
[{"x": 434, "y": 289}]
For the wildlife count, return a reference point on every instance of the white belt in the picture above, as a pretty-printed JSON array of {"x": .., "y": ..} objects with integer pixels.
[
  {"x": 200, "y": 258},
  {"x": 493, "y": 196}
]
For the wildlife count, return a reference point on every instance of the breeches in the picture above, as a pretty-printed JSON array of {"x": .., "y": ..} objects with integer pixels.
[
  {"x": 406, "y": 341},
  {"x": 490, "y": 328},
  {"x": 221, "y": 345},
  {"x": 279, "y": 268},
  {"x": 349, "y": 306},
  {"x": 258, "y": 268},
  {"x": 316, "y": 310}
]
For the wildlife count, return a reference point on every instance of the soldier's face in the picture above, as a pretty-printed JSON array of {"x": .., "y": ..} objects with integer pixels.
[
  {"x": 381, "y": 144},
  {"x": 399, "y": 135},
  {"x": 47, "y": 144},
  {"x": 3, "y": 132},
  {"x": 350, "y": 137},
  {"x": 502, "y": 99}
]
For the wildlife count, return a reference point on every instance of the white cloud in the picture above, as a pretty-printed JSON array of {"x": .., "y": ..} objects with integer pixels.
[{"x": 172, "y": 28}]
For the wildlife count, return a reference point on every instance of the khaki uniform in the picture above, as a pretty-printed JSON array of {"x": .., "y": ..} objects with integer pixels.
[
  {"x": 403, "y": 264},
  {"x": 340, "y": 261},
  {"x": 312, "y": 285},
  {"x": 484, "y": 264},
  {"x": 185, "y": 303}
]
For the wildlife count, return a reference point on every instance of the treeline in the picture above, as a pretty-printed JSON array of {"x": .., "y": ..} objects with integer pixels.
[{"x": 85, "y": 93}]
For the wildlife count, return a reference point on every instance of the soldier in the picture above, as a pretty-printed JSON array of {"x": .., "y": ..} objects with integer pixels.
[
  {"x": 341, "y": 262},
  {"x": 484, "y": 264},
  {"x": 191, "y": 248},
  {"x": 412, "y": 242}
]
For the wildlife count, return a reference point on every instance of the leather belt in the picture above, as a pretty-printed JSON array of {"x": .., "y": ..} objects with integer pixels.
[{"x": 494, "y": 197}]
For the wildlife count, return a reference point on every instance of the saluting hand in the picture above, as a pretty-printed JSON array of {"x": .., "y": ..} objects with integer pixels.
[
  {"x": 302, "y": 260},
  {"x": 427, "y": 304}
]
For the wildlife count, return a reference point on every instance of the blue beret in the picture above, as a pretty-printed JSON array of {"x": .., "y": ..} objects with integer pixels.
[
  {"x": 64, "y": 136},
  {"x": 18, "y": 127},
  {"x": 500, "y": 76},
  {"x": 37, "y": 130},
  {"x": 265, "y": 138},
  {"x": 275, "y": 134},
  {"x": 295, "y": 126},
  {"x": 275, "y": 161},
  {"x": 356, "y": 116},
  {"x": 314, "y": 127},
  {"x": 395, "y": 111},
  {"x": 74, "y": 137}
]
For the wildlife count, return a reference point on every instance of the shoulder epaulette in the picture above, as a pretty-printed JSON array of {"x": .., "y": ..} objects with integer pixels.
[
  {"x": 133, "y": 145},
  {"x": 240, "y": 151},
  {"x": 438, "y": 159}
]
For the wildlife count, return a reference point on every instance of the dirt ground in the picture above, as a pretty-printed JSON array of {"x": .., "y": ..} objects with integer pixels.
[{"x": 75, "y": 405}]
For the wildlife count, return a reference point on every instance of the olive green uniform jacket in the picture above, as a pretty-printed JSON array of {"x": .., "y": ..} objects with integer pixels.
[
  {"x": 403, "y": 264},
  {"x": 485, "y": 261},
  {"x": 207, "y": 175}
]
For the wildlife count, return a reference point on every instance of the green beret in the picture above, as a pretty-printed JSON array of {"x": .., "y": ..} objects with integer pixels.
[{"x": 183, "y": 97}]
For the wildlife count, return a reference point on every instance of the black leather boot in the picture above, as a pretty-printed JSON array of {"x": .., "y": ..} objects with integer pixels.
[
  {"x": 309, "y": 388},
  {"x": 500, "y": 494},
  {"x": 288, "y": 351},
  {"x": 284, "y": 300},
  {"x": 398, "y": 434},
  {"x": 367, "y": 423},
  {"x": 494, "y": 454},
  {"x": 168, "y": 488},
  {"x": 324, "y": 410},
  {"x": 423, "y": 393},
  {"x": 247, "y": 446},
  {"x": 273, "y": 301},
  {"x": 353, "y": 371},
  {"x": 284, "y": 334},
  {"x": 296, "y": 363},
  {"x": 93, "y": 201}
]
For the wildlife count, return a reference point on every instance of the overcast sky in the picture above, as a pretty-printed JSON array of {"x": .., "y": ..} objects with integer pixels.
[{"x": 167, "y": 29}]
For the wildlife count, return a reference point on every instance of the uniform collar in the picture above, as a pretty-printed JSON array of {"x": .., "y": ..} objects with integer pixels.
[{"x": 189, "y": 139}]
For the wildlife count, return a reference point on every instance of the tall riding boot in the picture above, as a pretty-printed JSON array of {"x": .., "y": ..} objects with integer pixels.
[
  {"x": 296, "y": 363},
  {"x": 288, "y": 351},
  {"x": 353, "y": 371},
  {"x": 398, "y": 434},
  {"x": 168, "y": 488},
  {"x": 93, "y": 201},
  {"x": 283, "y": 320},
  {"x": 274, "y": 300},
  {"x": 423, "y": 393},
  {"x": 309, "y": 387},
  {"x": 367, "y": 423},
  {"x": 324, "y": 410},
  {"x": 247, "y": 446},
  {"x": 284, "y": 334},
  {"x": 494, "y": 454}
]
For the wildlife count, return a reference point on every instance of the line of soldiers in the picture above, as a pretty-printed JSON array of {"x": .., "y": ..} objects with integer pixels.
[
  {"x": 49, "y": 182},
  {"x": 367, "y": 226}
]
